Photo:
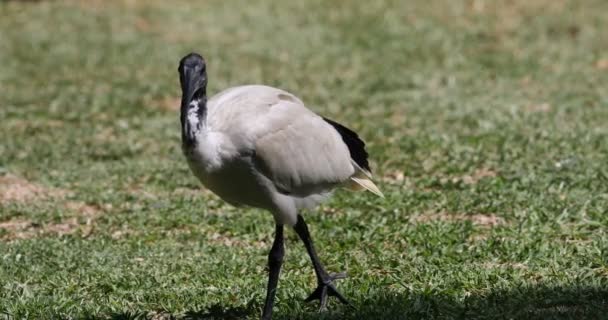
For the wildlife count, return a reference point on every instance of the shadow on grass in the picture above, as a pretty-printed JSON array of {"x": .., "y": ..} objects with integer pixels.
[
  {"x": 218, "y": 312},
  {"x": 519, "y": 303},
  {"x": 215, "y": 312}
]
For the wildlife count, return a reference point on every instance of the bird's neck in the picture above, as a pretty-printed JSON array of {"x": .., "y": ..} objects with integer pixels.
[{"x": 193, "y": 118}]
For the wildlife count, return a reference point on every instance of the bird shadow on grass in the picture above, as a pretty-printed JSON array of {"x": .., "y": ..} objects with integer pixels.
[
  {"x": 520, "y": 303},
  {"x": 542, "y": 302}
]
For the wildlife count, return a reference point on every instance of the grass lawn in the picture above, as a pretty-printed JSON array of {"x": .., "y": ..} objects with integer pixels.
[{"x": 487, "y": 124}]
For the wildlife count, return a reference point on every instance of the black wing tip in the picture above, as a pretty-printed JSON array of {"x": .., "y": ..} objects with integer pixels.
[{"x": 356, "y": 146}]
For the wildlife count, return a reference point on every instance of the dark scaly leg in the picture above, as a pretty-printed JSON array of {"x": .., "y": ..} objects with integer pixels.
[
  {"x": 325, "y": 280},
  {"x": 275, "y": 260}
]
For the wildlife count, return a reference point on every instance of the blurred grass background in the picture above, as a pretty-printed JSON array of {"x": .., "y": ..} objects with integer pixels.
[{"x": 485, "y": 121}]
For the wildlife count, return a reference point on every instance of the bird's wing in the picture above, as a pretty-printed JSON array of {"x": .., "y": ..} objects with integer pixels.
[{"x": 299, "y": 151}]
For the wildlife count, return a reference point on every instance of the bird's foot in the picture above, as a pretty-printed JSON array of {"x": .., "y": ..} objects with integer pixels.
[{"x": 326, "y": 288}]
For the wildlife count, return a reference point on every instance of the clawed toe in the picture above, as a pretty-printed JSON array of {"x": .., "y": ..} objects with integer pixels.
[{"x": 326, "y": 288}]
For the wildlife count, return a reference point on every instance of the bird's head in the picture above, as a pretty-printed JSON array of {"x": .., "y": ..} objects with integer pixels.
[{"x": 193, "y": 78}]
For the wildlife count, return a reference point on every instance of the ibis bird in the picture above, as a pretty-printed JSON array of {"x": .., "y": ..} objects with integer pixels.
[{"x": 259, "y": 146}]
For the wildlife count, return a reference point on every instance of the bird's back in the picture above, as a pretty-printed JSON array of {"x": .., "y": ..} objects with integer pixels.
[{"x": 248, "y": 110}]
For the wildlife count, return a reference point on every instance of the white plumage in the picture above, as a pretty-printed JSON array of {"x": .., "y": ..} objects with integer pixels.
[{"x": 260, "y": 146}]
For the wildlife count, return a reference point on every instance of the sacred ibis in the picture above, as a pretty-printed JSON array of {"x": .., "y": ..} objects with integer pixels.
[{"x": 261, "y": 147}]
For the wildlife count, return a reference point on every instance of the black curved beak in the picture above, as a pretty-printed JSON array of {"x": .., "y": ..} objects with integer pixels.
[{"x": 193, "y": 85}]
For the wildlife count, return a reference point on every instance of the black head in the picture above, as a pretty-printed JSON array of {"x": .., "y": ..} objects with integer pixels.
[
  {"x": 192, "y": 77},
  {"x": 191, "y": 61}
]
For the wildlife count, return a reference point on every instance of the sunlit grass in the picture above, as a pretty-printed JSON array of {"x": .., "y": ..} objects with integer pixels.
[{"x": 485, "y": 121}]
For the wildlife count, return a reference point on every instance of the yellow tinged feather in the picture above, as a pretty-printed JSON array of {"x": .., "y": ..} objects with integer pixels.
[
  {"x": 352, "y": 185},
  {"x": 362, "y": 179},
  {"x": 368, "y": 184}
]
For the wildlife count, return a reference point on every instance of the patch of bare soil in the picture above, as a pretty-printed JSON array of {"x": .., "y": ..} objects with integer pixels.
[
  {"x": 478, "y": 175},
  {"x": 19, "y": 228},
  {"x": 539, "y": 108},
  {"x": 485, "y": 220},
  {"x": 602, "y": 64},
  {"x": 14, "y": 189},
  {"x": 498, "y": 265},
  {"x": 229, "y": 241},
  {"x": 393, "y": 177},
  {"x": 16, "y": 229},
  {"x": 170, "y": 104}
]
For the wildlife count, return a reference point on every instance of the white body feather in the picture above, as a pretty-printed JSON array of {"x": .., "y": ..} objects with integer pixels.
[{"x": 261, "y": 147}]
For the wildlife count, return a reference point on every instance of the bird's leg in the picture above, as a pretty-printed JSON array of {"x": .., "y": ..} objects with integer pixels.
[
  {"x": 275, "y": 260},
  {"x": 325, "y": 280}
]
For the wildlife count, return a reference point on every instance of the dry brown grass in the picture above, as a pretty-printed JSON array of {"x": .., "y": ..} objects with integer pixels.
[
  {"x": 471, "y": 178},
  {"x": 169, "y": 104},
  {"x": 14, "y": 189},
  {"x": 479, "y": 219}
]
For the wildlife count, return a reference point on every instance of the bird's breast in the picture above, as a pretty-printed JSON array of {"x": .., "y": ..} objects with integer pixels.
[{"x": 227, "y": 173}]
